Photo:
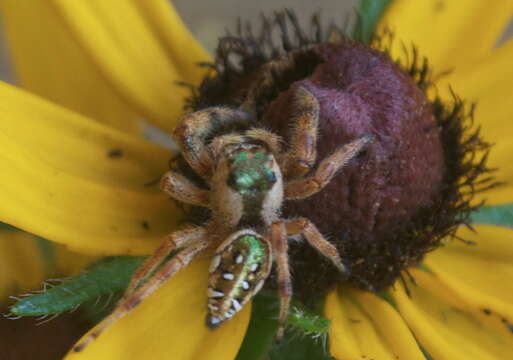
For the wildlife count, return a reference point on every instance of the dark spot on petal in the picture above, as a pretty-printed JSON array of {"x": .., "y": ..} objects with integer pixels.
[
  {"x": 487, "y": 311},
  {"x": 439, "y": 6},
  {"x": 145, "y": 225},
  {"x": 115, "y": 153}
]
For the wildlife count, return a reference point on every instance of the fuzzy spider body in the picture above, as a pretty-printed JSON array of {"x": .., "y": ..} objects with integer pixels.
[
  {"x": 247, "y": 193},
  {"x": 247, "y": 186},
  {"x": 249, "y": 177}
]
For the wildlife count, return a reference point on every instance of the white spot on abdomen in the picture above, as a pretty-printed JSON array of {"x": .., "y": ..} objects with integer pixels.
[
  {"x": 228, "y": 276},
  {"x": 214, "y": 293}
]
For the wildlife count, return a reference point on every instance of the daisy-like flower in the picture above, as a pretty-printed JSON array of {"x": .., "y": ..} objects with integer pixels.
[{"x": 74, "y": 169}]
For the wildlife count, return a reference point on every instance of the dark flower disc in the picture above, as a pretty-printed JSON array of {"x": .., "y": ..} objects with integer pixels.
[{"x": 411, "y": 187}]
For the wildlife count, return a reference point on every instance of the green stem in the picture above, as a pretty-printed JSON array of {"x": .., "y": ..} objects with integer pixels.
[{"x": 369, "y": 14}]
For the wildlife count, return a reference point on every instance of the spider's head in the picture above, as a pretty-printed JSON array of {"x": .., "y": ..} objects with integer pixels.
[
  {"x": 251, "y": 170},
  {"x": 247, "y": 182}
]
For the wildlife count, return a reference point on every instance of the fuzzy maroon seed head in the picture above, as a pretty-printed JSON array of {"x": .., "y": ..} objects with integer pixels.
[
  {"x": 407, "y": 190},
  {"x": 360, "y": 91}
]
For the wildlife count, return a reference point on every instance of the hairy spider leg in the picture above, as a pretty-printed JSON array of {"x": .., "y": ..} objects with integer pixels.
[
  {"x": 305, "y": 227},
  {"x": 279, "y": 242},
  {"x": 176, "y": 240},
  {"x": 170, "y": 268},
  {"x": 265, "y": 81},
  {"x": 182, "y": 189},
  {"x": 272, "y": 141},
  {"x": 300, "y": 157},
  {"x": 194, "y": 129},
  {"x": 328, "y": 167}
]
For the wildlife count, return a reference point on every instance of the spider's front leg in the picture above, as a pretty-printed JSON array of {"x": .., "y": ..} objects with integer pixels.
[
  {"x": 181, "y": 189},
  {"x": 176, "y": 240},
  {"x": 279, "y": 242},
  {"x": 328, "y": 167},
  {"x": 194, "y": 129},
  {"x": 300, "y": 158},
  {"x": 138, "y": 294},
  {"x": 305, "y": 227}
]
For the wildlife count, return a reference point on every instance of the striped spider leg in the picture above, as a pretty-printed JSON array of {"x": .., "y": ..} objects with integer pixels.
[
  {"x": 302, "y": 152},
  {"x": 146, "y": 279},
  {"x": 298, "y": 162},
  {"x": 156, "y": 269},
  {"x": 310, "y": 185},
  {"x": 194, "y": 129}
]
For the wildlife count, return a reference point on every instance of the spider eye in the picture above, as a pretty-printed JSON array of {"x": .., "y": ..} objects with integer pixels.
[{"x": 271, "y": 176}]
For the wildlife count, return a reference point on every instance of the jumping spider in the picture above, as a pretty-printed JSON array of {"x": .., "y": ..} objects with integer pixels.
[{"x": 249, "y": 177}]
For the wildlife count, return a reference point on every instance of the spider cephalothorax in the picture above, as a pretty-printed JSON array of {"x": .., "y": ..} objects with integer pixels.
[{"x": 248, "y": 178}]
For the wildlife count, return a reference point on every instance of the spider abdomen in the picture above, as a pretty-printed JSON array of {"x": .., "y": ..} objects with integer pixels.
[{"x": 237, "y": 272}]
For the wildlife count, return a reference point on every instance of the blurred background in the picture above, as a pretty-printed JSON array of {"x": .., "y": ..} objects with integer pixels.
[{"x": 210, "y": 20}]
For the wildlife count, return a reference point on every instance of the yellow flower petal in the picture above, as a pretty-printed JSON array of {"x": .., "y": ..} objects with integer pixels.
[
  {"x": 364, "y": 326},
  {"x": 128, "y": 53},
  {"x": 49, "y": 62},
  {"x": 481, "y": 273},
  {"x": 446, "y": 326},
  {"x": 445, "y": 30},
  {"x": 490, "y": 84},
  {"x": 176, "y": 39},
  {"x": 70, "y": 263},
  {"x": 22, "y": 266},
  {"x": 77, "y": 182},
  {"x": 170, "y": 324},
  {"x": 500, "y": 159},
  {"x": 70, "y": 142}
]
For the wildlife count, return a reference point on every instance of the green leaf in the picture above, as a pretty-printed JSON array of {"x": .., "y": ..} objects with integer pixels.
[
  {"x": 499, "y": 215},
  {"x": 262, "y": 327},
  {"x": 295, "y": 347},
  {"x": 107, "y": 276},
  {"x": 306, "y": 322},
  {"x": 303, "y": 325},
  {"x": 369, "y": 13}
]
